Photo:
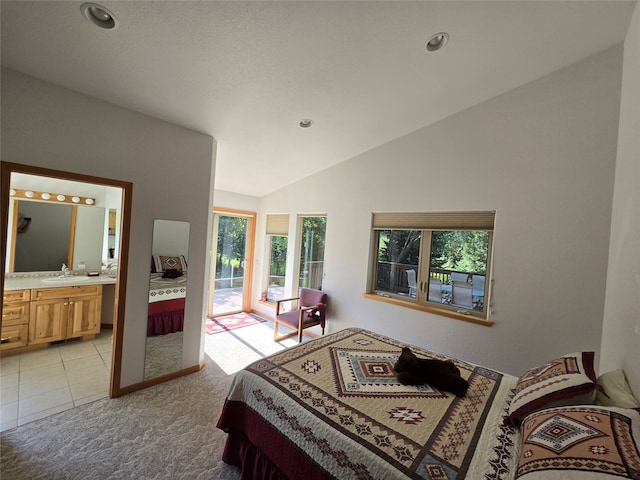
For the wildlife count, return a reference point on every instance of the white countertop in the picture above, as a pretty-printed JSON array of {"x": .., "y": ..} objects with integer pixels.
[{"x": 24, "y": 283}]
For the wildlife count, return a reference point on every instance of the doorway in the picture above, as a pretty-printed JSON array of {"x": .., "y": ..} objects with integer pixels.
[
  {"x": 232, "y": 265},
  {"x": 77, "y": 371}
]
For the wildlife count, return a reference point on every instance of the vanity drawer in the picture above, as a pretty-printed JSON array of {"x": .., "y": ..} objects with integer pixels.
[
  {"x": 64, "y": 292},
  {"x": 15, "y": 314},
  {"x": 14, "y": 336},
  {"x": 11, "y": 296}
]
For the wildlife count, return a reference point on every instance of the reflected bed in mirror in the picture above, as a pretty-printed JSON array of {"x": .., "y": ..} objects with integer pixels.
[{"x": 167, "y": 296}]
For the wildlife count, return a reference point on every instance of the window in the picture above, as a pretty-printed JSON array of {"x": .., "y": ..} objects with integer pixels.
[
  {"x": 311, "y": 251},
  {"x": 275, "y": 269},
  {"x": 435, "y": 260}
]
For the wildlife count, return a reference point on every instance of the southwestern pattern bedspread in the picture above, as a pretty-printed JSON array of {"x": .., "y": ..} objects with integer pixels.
[{"x": 333, "y": 408}]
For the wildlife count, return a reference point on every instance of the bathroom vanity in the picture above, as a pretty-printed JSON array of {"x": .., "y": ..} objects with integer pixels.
[{"x": 39, "y": 310}]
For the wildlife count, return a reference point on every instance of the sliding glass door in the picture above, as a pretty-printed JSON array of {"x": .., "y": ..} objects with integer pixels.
[{"x": 232, "y": 262}]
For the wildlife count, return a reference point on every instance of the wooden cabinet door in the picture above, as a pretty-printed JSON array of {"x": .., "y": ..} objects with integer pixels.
[
  {"x": 48, "y": 320},
  {"x": 84, "y": 316}
]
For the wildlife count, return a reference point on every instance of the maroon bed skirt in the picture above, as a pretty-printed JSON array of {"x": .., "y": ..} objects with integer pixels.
[
  {"x": 165, "y": 317},
  {"x": 260, "y": 451}
]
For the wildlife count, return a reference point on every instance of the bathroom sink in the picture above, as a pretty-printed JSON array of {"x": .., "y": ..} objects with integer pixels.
[{"x": 73, "y": 279}]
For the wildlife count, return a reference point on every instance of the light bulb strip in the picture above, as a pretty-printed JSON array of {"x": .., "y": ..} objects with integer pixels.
[{"x": 52, "y": 197}]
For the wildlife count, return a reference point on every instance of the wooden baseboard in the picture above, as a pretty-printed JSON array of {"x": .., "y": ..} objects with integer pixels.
[{"x": 154, "y": 381}]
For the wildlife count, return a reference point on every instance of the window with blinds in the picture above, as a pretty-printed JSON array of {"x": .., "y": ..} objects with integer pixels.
[{"x": 439, "y": 260}]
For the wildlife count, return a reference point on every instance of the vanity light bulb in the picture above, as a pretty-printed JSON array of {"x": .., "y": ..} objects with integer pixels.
[
  {"x": 45, "y": 196},
  {"x": 29, "y": 194},
  {"x": 75, "y": 199},
  {"x": 89, "y": 201},
  {"x": 12, "y": 192},
  {"x": 61, "y": 198}
]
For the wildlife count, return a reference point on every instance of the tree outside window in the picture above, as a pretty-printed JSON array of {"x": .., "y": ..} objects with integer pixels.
[{"x": 311, "y": 253}]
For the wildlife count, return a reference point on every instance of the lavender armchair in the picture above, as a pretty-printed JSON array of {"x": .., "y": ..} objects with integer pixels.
[{"x": 310, "y": 311}]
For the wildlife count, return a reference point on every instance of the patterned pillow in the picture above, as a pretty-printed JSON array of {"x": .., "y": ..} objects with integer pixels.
[
  {"x": 565, "y": 442},
  {"x": 160, "y": 263},
  {"x": 566, "y": 380}
]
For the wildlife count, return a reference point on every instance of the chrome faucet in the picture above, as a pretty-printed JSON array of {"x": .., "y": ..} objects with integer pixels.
[{"x": 65, "y": 270}]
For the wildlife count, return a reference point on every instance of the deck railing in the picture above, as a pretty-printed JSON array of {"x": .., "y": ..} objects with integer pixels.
[{"x": 392, "y": 277}]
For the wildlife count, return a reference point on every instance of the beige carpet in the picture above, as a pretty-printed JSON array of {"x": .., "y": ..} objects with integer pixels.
[
  {"x": 163, "y": 432},
  {"x": 163, "y": 355}
]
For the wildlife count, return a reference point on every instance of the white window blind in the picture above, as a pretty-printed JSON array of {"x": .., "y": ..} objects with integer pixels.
[
  {"x": 434, "y": 220},
  {"x": 278, "y": 224}
]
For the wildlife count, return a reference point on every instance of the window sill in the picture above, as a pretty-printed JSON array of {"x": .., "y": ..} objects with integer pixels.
[
  {"x": 268, "y": 303},
  {"x": 425, "y": 308}
]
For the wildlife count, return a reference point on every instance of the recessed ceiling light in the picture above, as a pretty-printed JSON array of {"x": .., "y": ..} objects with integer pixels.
[
  {"x": 305, "y": 123},
  {"x": 98, "y": 15},
  {"x": 437, "y": 41}
]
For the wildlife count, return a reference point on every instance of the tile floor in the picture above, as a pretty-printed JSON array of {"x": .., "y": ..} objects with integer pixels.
[{"x": 37, "y": 384}]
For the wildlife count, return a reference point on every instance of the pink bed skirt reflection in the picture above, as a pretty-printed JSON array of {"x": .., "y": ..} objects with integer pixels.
[{"x": 165, "y": 317}]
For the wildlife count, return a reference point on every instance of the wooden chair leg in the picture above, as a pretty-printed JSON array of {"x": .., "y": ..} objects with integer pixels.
[
  {"x": 275, "y": 331},
  {"x": 300, "y": 319}
]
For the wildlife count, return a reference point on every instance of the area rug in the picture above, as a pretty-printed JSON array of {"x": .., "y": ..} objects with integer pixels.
[{"x": 231, "y": 322}]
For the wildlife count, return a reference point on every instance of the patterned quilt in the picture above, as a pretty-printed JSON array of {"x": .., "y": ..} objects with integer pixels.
[
  {"x": 337, "y": 403},
  {"x": 161, "y": 289}
]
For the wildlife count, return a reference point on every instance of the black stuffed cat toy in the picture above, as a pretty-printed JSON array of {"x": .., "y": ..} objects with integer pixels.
[{"x": 440, "y": 374}]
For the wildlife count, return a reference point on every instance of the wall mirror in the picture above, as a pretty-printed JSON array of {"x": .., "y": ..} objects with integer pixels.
[
  {"x": 21, "y": 184},
  {"x": 167, "y": 295},
  {"x": 52, "y": 222}
]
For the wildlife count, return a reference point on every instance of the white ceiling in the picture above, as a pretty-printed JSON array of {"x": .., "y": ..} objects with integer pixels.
[{"x": 247, "y": 72}]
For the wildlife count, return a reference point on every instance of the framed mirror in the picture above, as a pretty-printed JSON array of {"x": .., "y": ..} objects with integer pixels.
[
  {"x": 167, "y": 295},
  {"x": 50, "y": 224}
]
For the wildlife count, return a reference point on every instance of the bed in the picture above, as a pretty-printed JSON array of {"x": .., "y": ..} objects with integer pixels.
[
  {"x": 166, "y": 304},
  {"x": 332, "y": 408}
]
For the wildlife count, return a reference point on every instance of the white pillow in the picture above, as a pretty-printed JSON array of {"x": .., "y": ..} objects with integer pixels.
[{"x": 617, "y": 392}]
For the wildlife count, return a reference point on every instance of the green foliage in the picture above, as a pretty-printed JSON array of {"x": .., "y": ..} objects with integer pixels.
[
  {"x": 278, "y": 255},
  {"x": 312, "y": 251},
  {"x": 313, "y": 238},
  {"x": 456, "y": 250},
  {"x": 460, "y": 250},
  {"x": 230, "y": 246},
  {"x": 399, "y": 246}
]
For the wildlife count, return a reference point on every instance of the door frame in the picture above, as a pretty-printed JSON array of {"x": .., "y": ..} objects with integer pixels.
[
  {"x": 247, "y": 284},
  {"x": 6, "y": 169}
]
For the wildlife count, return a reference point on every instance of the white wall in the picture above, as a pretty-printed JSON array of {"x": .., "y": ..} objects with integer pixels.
[
  {"x": 170, "y": 167},
  {"x": 170, "y": 238},
  {"x": 543, "y": 157},
  {"x": 235, "y": 201},
  {"x": 621, "y": 329}
]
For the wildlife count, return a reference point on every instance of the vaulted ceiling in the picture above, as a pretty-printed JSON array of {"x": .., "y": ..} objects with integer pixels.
[{"x": 246, "y": 73}]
